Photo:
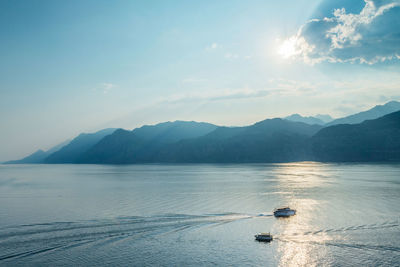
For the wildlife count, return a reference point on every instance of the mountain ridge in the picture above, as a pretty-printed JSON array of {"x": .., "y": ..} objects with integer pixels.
[
  {"x": 269, "y": 140},
  {"x": 139, "y": 144},
  {"x": 373, "y": 113},
  {"x": 308, "y": 120},
  {"x": 285, "y": 140},
  {"x": 77, "y": 146}
]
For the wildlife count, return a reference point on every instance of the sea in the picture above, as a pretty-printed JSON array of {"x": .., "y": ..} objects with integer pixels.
[{"x": 199, "y": 215}]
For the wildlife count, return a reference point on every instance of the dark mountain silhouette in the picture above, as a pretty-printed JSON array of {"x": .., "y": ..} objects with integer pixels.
[
  {"x": 267, "y": 141},
  {"x": 272, "y": 140},
  {"x": 142, "y": 144},
  {"x": 373, "y": 140},
  {"x": 308, "y": 120},
  {"x": 373, "y": 113},
  {"x": 78, "y": 146},
  {"x": 39, "y": 155}
]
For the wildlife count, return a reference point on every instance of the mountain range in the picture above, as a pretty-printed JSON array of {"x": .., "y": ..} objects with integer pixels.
[
  {"x": 271, "y": 140},
  {"x": 141, "y": 144},
  {"x": 372, "y": 135},
  {"x": 308, "y": 120}
]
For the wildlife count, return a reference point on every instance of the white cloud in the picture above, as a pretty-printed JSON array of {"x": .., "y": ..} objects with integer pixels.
[
  {"x": 216, "y": 95},
  {"x": 105, "y": 87},
  {"x": 346, "y": 30},
  {"x": 231, "y": 56},
  {"x": 213, "y": 46},
  {"x": 278, "y": 87},
  {"x": 369, "y": 37}
]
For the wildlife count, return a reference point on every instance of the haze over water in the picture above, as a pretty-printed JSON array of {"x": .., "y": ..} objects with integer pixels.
[{"x": 347, "y": 214}]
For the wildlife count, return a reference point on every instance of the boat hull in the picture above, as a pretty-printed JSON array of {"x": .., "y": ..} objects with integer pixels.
[
  {"x": 284, "y": 213},
  {"x": 263, "y": 238}
]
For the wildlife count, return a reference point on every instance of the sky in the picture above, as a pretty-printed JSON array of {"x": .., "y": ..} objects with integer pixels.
[{"x": 68, "y": 67}]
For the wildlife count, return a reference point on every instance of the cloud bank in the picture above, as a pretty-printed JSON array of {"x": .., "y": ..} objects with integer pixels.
[{"x": 369, "y": 37}]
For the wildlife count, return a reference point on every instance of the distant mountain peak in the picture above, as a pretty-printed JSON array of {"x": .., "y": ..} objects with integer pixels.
[
  {"x": 309, "y": 120},
  {"x": 391, "y": 104},
  {"x": 324, "y": 117}
]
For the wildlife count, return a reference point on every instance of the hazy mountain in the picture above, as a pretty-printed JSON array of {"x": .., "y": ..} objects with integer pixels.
[
  {"x": 372, "y": 140},
  {"x": 78, "y": 146},
  {"x": 272, "y": 140},
  {"x": 324, "y": 117},
  {"x": 373, "y": 113},
  {"x": 36, "y": 157},
  {"x": 169, "y": 132},
  {"x": 308, "y": 120},
  {"x": 141, "y": 144},
  {"x": 58, "y": 147},
  {"x": 39, "y": 155}
]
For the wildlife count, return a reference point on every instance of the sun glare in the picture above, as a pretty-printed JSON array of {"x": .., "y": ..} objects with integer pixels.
[{"x": 288, "y": 48}]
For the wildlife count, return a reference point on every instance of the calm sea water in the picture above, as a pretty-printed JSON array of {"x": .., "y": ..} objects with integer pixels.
[{"x": 179, "y": 215}]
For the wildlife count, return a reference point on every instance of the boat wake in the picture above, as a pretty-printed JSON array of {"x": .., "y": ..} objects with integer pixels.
[
  {"x": 305, "y": 237},
  {"x": 33, "y": 239},
  {"x": 375, "y": 226}
]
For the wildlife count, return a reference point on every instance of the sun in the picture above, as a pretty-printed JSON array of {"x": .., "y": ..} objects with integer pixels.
[{"x": 288, "y": 48}]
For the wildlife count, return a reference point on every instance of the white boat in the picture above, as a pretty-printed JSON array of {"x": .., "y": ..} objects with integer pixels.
[
  {"x": 265, "y": 237},
  {"x": 284, "y": 212}
]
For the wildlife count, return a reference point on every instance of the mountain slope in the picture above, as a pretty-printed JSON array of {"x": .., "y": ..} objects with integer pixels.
[
  {"x": 372, "y": 140},
  {"x": 272, "y": 140},
  {"x": 141, "y": 144},
  {"x": 324, "y": 117},
  {"x": 374, "y": 113},
  {"x": 58, "y": 147},
  {"x": 39, "y": 155},
  {"x": 36, "y": 157},
  {"x": 78, "y": 146}
]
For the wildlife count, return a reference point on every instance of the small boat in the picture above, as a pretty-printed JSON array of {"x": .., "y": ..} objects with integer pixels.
[
  {"x": 284, "y": 212},
  {"x": 264, "y": 237}
]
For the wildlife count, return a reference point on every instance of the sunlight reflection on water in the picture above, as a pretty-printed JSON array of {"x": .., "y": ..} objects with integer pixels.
[{"x": 296, "y": 247}]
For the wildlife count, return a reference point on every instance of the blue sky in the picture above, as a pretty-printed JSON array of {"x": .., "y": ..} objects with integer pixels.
[{"x": 79, "y": 66}]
